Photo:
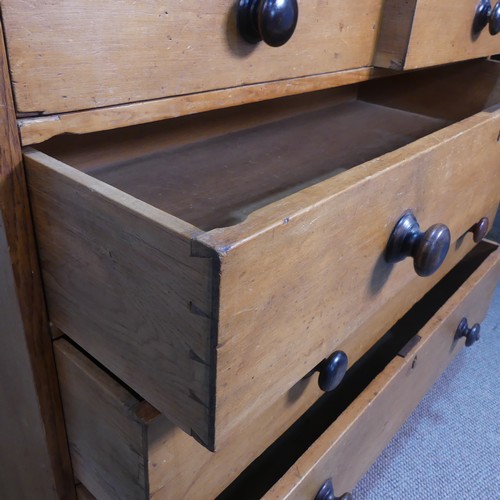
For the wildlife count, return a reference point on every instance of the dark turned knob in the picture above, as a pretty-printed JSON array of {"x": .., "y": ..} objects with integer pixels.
[
  {"x": 485, "y": 14},
  {"x": 471, "y": 334},
  {"x": 332, "y": 371},
  {"x": 273, "y": 21},
  {"x": 495, "y": 19},
  {"x": 326, "y": 492},
  {"x": 428, "y": 249},
  {"x": 480, "y": 229}
]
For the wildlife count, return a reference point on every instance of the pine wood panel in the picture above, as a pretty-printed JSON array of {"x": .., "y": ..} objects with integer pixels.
[
  {"x": 281, "y": 270},
  {"x": 73, "y": 55},
  {"x": 124, "y": 269},
  {"x": 308, "y": 270},
  {"x": 170, "y": 465},
  {"x": 419, "y": 33},
  {"x": 40, "y": 128},
  {"x": 350, "y": 445},
  {"x": 32, "y": 433}
]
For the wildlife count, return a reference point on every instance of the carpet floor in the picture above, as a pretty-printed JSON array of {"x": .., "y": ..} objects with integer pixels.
[{"x": 449, "y": 448}]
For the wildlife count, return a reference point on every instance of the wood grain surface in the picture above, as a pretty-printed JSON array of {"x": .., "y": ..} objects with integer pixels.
[
  {"x": 305, "y": 275},
  {"x": 349, "y": 446},
  {"x": 72, "y": 55},
  {"x": 33, "y": 449},
  {"x": 103, "y": 417},
  {"x": 120, "y": 280},
  {"x": 299, "y": 278},
  {"x": 40, "y": 128}
]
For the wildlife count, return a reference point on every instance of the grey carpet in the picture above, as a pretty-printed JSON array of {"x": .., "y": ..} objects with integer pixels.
[{"x": 449, "y": 448}]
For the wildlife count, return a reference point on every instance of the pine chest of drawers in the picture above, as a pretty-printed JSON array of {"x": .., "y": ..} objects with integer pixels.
[{"x": 209, "y": 276}]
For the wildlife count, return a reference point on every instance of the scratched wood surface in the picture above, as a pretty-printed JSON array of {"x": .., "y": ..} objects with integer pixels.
[
  {"x": 120, "y": 280},
  {"x": 73, "y": 55},
  {"x": 308, "y": 270}
]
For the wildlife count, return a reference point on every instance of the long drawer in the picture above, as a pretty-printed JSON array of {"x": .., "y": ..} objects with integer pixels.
[
  {"x": 74, "y": 55},
  {"x": 212, "y": 275},
  {"x": 123, "y": 448}
]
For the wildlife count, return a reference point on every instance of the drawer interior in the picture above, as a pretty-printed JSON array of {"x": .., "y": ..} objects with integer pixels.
[
  {"x": 265, "y": 471},
  {"x": 213, "y": 171}
]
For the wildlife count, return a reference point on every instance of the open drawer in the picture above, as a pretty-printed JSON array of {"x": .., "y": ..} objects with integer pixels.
[
  {"x": 419, "y": 33},
  {"x": 123, "y": 448},
  {"x": 211, "y": 266}
]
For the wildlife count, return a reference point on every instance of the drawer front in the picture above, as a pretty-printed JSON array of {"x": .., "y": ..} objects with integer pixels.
[
  {"x": 419, "y": 33},
  {"x": 347, "y": 448},
  {"x": 73, "y": 55},
  {"x": 123, "y": 448},
  {"x": 315, "y": 280}
]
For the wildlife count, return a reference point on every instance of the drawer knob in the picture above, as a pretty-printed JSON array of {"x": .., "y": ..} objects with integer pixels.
[
  {"x": 428, "y": 249},
  {"x": 471, "y": 334},
  {"x": 272, "y": 21},
  {"x": 480, "y": 229},
  {"x": 485, "y": 14},
  {"x": 332, "y": 371},
  {"x": 326, "y": 492},
  {"x": 495, "y": 19}
]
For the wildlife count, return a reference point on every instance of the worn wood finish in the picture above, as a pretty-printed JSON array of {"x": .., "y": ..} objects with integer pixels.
[
  {"x": 124, "y": 269},
  {"x": 171, "y": 465},
  {"x": 218, "y": 182},
  {"x": 103, "y": 418},
  {"x": 420, "y": 33},
  {"x": 33, "y": 452},
  {"x": 349, "y": 446},
  {"x": 296, "y": 267},
  {"x": 38, "y": 129},
  {"x": 73, "y": 55},
  {"x": 280, "y": 270},
  {"x": 90, "y": 152}
]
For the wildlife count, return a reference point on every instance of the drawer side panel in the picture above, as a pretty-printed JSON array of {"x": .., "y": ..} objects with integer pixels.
[{"x": 152, "y": 323}]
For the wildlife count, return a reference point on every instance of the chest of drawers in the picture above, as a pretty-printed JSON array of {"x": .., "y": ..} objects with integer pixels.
[{"x": 199, "y": 271}]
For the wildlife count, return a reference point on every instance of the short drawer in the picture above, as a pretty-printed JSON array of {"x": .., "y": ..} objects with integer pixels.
[
  {"x": 123, "y": 448},
  {"x": 74, "y": 55},
  {"x": 419, "y": 33},
  {"x": 211, "y": 276}
]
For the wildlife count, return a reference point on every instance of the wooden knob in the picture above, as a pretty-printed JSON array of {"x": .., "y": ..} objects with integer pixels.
[
  {"x": 480, "y": 229},
  {"x": 332, "y": 371},
  {"x": 326, "y": 492},
  {"x": 272, "y": 21},
  {"x": 428, "y": 249},
  {"x": 471, "y": 334},
  {"x": 485, "y": 14}
]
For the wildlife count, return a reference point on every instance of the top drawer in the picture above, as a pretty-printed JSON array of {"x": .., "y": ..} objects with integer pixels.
[
  {"x": 420, "y": 33},
  {"x": 213, "y": 275},
  {"x": 69, "y": 55}
]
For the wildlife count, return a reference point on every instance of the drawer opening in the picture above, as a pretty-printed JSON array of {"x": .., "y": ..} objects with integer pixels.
[
  {"x": 214, "y": 170},
  {"x": 269, "y": 467}
]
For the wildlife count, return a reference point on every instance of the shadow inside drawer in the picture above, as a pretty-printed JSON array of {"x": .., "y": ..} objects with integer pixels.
[{"x": 260, "y": 476}]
